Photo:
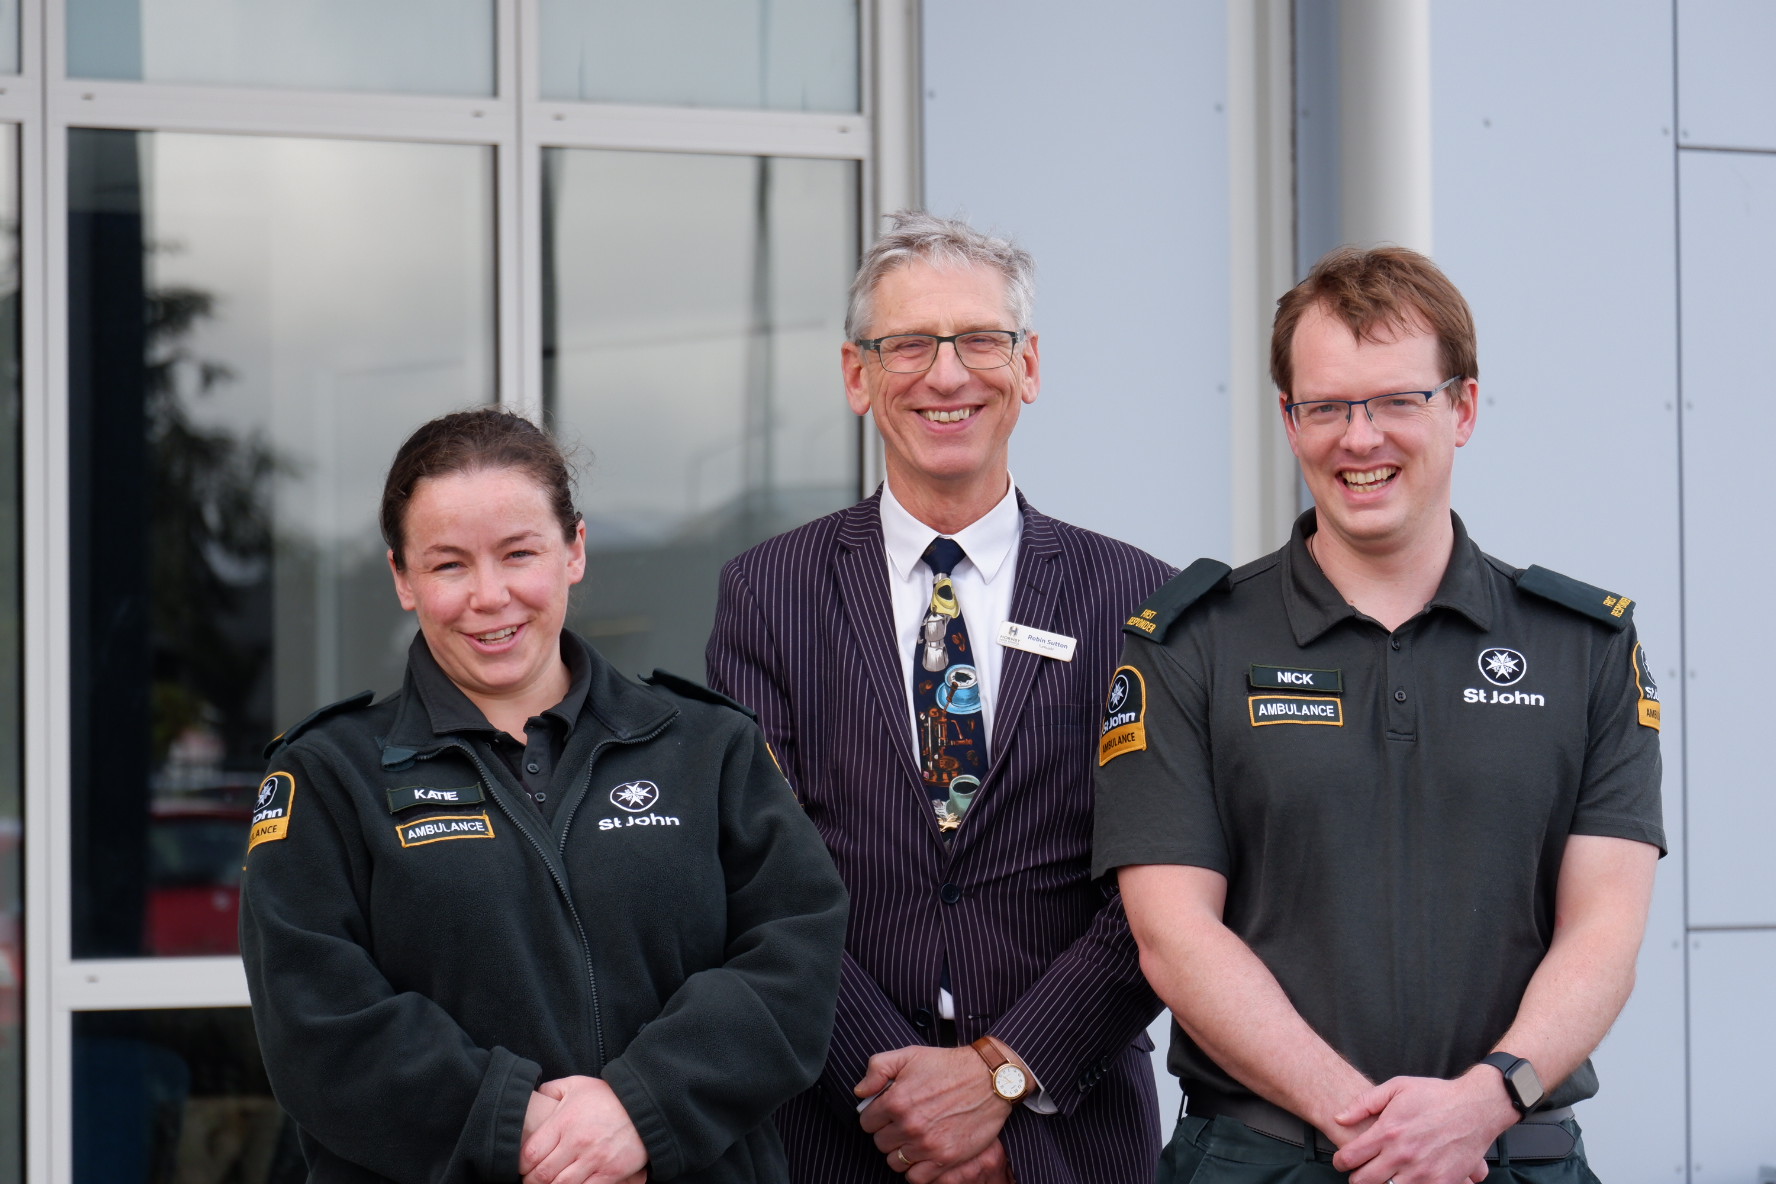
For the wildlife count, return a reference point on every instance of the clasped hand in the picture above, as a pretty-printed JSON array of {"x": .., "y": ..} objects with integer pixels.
[
  {"x": 1425, "y": 1130},
  {"x": 940, "y": 1123},
  {"x": 577, "y": 1132}
]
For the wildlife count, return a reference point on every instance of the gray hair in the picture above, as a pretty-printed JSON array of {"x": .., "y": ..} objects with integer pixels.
[{"x": 915, "y": 235}]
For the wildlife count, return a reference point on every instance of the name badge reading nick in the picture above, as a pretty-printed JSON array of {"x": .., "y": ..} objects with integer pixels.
[{"x": 1295, "y": 709}]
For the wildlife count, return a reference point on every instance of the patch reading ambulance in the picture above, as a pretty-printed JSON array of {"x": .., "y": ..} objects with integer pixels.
[
  {"x": 441, "y": 828},
  {"x": 1125, "y": 716},
  {"x": 271, "y": 810},
  {"x": 1648, "y": 708},
  {"x": 1295, "y": 709}
]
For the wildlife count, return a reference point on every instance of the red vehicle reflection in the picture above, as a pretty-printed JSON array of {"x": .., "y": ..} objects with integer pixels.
[
  {"x": 195, "y": 850},
  {"x": 12, "y": 946}
]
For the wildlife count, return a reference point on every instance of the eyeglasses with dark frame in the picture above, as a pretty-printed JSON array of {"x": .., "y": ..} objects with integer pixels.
[
  {"x": 1385, "y": 412},
  {"x": 915, "y": 353}
]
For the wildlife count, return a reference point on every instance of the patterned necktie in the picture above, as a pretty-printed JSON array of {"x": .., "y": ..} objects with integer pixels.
[{"x": 946, "y": 696}]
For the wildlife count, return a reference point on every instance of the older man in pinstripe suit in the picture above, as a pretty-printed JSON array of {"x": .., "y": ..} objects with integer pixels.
[{"x": 930, "y": 667}]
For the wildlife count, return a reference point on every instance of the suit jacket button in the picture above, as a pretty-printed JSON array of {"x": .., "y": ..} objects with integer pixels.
[
  {"x": 922, "y": 1018},
  {"x": 951, "y": 893}
]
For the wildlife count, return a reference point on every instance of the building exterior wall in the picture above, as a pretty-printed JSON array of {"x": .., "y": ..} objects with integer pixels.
[{"x": 1602, "y": 186}]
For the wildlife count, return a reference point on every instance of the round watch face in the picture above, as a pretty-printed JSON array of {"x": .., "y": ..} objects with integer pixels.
[{"x": 1009, "y": 1082}]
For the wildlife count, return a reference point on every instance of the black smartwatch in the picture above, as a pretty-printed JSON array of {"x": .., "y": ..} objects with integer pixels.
[{"x": 1521, "y": 1081}]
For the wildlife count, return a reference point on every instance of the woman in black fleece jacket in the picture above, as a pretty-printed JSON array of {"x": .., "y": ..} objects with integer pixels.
[{"x": 526, "y": 918}]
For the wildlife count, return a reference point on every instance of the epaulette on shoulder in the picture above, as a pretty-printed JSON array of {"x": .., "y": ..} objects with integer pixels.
[
  {"x": 1611, "y": 608},
  {"x": 361, "y": 699},
  {"x": 1177, "y": 594},
  {"x": 685, "y": 688}
]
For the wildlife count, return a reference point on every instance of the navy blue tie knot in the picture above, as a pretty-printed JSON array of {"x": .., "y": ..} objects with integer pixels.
[{"x": 942, "y": 556}]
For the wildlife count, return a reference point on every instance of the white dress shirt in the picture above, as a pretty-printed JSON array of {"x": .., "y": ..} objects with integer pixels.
[{"x": 983, "y": 581}]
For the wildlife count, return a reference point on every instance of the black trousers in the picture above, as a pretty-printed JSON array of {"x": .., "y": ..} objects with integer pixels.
[{"x": 1226, "y": 1151}]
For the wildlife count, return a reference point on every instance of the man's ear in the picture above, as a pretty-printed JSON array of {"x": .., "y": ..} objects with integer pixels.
[
  {"x": 1288, "y": 420},
  {"x": 1467, "y": 410},
  {"x": 853, "y": 361},
  {"x": 1032, "y": 364}
]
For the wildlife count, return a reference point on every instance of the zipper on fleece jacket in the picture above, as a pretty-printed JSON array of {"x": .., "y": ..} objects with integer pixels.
[{"x": 497, "y": 794}]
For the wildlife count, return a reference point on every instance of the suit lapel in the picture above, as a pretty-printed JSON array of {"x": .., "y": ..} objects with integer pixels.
[
  {"x": 863, "y": 586},
  {"x": 1034, "y": 602}
]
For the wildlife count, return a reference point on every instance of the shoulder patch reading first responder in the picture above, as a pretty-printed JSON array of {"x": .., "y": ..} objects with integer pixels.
[
  {"x": 1610, "y": 608},
  {"x": 271, "y": 810},
  {"x": 1125, "y": 716},
  {"x": 1177, "y": 594}
]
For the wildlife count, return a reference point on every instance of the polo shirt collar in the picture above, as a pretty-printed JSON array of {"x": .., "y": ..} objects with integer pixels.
[
  {"x": 988, "y": 541},
  {"x": 1313, "y": 605},
  {"x": 450, "y": 710}
]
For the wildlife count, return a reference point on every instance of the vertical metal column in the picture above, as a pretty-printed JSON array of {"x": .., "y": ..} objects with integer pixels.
[{"x": 1384, "y": 49}]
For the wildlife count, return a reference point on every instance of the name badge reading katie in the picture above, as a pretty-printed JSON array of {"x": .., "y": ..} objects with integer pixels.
[{"x": 1037, "y": 641}]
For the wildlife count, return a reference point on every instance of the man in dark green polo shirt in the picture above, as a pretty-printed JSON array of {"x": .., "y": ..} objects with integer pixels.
[{"x": 1384, "y": 810}]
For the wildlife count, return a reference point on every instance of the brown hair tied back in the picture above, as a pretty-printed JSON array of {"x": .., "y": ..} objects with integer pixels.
[
  {"x": 471, "y": 442},
  {"x": 1377, "y": 293}
]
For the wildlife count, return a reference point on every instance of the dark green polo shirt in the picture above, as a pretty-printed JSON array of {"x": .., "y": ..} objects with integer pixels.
[
  {"x": 532, "y": 761},
  {"x": 1390, "y": 809}
]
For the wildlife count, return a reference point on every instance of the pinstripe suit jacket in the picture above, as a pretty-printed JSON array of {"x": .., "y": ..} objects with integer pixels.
[{"x": 1040, "y": 956}]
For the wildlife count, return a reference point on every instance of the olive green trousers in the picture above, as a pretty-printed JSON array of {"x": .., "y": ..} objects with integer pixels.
[{"x": 1226, "y": 1151}]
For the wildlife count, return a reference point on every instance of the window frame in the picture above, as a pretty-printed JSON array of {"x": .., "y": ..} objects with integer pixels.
[{"x": 45, "y": 103}]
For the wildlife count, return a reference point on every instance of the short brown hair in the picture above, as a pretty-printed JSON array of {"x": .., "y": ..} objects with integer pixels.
[
  {"x": 470, "y": 442},
  {"x": 1377, "y": 293}
]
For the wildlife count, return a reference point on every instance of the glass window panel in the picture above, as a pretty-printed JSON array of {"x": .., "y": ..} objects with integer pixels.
[
  {"x": 9, "y": 37},
  {"x": 177, "y": 1096},
  {"x": 255, "y": 324},
  {"x": 789, "y": 55},
  {"x": 12, "y": 963},
  {"x": 415, "y": 46},
  {"x": 694, "y": 308}
]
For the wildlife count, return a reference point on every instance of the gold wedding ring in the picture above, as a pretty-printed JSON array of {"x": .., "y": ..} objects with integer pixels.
[{"x": 901, "y": 1151}]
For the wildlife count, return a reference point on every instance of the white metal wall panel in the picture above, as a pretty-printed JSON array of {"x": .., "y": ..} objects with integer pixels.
[
  {"x": 1726, "y": 87},
  {"x": 1098, "y": 139},
  {"x": 1553, "y": 176},
  {"x": 1732, "y": 1050},
  {"x": 1728, "y": 202}
]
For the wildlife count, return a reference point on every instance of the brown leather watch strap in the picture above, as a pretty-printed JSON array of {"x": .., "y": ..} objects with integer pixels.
[{"x": 992, "y": 1052}]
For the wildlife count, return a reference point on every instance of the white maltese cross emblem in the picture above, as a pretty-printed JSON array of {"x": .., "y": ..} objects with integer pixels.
[
  {"x": 635, "y": 796},
  {"x": 1502, "y": 667}
]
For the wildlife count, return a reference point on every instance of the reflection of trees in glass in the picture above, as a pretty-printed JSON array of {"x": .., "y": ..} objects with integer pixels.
[{"x": 211, "y": 546}]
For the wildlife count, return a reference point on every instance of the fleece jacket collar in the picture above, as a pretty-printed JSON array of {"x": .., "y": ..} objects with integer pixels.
[{"x": 624, "y": 710}]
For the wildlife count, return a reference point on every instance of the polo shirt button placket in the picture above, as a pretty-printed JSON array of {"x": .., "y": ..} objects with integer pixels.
[{"x": 1402, "y": 722}]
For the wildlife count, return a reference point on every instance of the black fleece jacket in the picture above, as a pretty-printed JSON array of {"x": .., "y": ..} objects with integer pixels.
[{"x": 422, "y": 948}]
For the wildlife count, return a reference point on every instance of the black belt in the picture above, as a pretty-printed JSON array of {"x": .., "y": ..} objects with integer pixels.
[{"x": 1537, "y": 1136}]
